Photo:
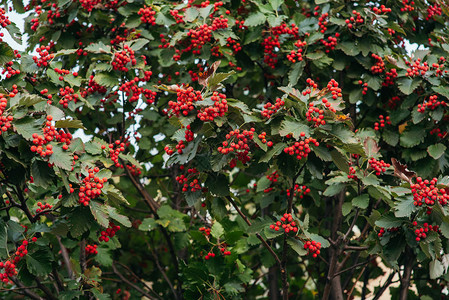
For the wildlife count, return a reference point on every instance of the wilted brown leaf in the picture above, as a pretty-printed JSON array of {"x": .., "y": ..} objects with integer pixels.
[
  {"x": 204, "y": 77},
  {"x": 402, "y": 172}
]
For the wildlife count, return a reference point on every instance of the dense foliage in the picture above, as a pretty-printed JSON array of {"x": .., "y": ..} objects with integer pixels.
[{"x": 224, "y": 149}]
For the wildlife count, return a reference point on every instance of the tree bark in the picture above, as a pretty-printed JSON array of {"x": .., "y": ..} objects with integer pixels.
[{"x": 406, "y": 277}]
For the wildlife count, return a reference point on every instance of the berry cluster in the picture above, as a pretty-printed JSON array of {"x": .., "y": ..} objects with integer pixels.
[
  {"x": 378, "y": 165},
  {"x": 407, "y": 5},
  {"x": 438, "y": 132},
  {"x": 270, "y": 44},
  {"x": 421, "y": 232},
  {"x": 205, "y": 231},
  {"x": 109, "y": 232},
  {"x": 316, "y": 115},
  {"x": 40, "y": 141},
  {"x": 322, "y": 22},
  {"x": 296, "y": 55},
  {"x": 191, "y": 181},
  {"x": 9, "y": 265},
  {"x": 185, "y": 100},
  {"x": 4, "y": 20},
  {"x": 5, "y": 120},
  {"x": 301, "y": 148},
  {"x": 89, "y": 4},
  {"x": 364, "y": 87},
  {"x": 351, "y": 175},
  {"x": 432, "y": 11},
  {"x": 427, "y": 192},
  {"x": 8, "y": 69},
  {"x": 416, "y": 68},
  {"x": 122, "y": 58},
  {"x": 270, "y": 109},
  {"x": 390, "y": 77},
  {"x": 147, "y": 15},
  {"x": 263, "y": 139},
  {"x": 114, "y": 153},
  {"x": 381, "y": 123},
  {"x": 44, "y": 56},
  {"x": 219, "y": 108},
  {"x": 43, "y": 207},
  {"x": 382, "y": 231},
  {"x": 393, "y": 102},
  {"x": 299, "y": 190},
  {"x": 91, "y": 249},
  {"x": 310, "y": 83},
  {"x": 67, "y": 94},
  {"x": 178, "y": 18},
  {"x": 379, "y": 65},
  {"x": 90, "y": 187},
  {"x": 312, "y": 248},
  {"x": 219, "y": 23},
  {"x": 432, "y": 103},
  {"x": 352, "y": 22},
  {"x": 237, "y": 142},
  {"x": 236, "y": 47},
  {"x": 286, "y": 222},
  {"x": 381, "y": 10},
  {"x": 331, "y": 42}
]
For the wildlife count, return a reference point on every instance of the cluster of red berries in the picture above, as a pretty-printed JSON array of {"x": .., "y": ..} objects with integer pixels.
[
  {"x": 65, "y": 138},
  {"x": 390, "y": 77},
  {"x": 300, "y": 190},
  {"x": 91, "y": 249},
  {"x": 114, "y": 153},
  {"x": 93, "y": 87},
  {"x": 40, "y": 141},
  {"x": 352, "y": 175},
  {"x": 432, "y": 11},
  {"x": 379, "y": 65},
  {"x": 316, "y": 115},
  {"x": 205, "y": 231},
  {"x": 198, "y": 38},
  {"x": 421, "y": 232},
  {"x": 67, "y": 94},
  {"x": 364, "y": 87},
  {"x": 331, "y": 42},
  {"x": 438, "y": 132},
  {"x": 236, "y": 47},
  {"x": 8, "y": 69},
  {"x": 382, "y": 122},
  {"x": 219, "y": 23},
  {"x": 178, "y": 18},
  {"x": 312, "y": 84},
  {"x": 135, "y": 171},
  {"x": 224, "y": 250},
  {"x": 381, "y": 10},
  {"x": 269, "y": 109},
  {"x": 219, "y": 108},
  {"x": 296, "y": 55},
  {"x": 427, "y": 192},
  {"x": 378, "y": 165},
  {"x": 188, "y": 135},
  {"x": 270, "y": 44},
  {"x": 332, "y": 85},
  {"x": 312, "y": 248},
  {"x": 185, "y": 99},
  {"x": 237, "y": 142},
  {"x": 263, "y": 139},
  {"x": 122, "y": 58},
  {"x": 432, "y": 103},
  {"x": 189, "y": 182},
  {"x": 241, "y": 24},
  {"x": 393, "y": 102},
  {"x": 382, "y": 231},
  {"x": 4, "y": 20},
  {"x": 416, "y": 68},
  {"x": 62, "y": 72},
  {"x": 43, "y": 207},
  {"x": 44, "y": 56},
  {"x": 322, "y": 22},
  {"x": 354, "y": 21},
  {"x": 286, "y": 222},
  {"x": 90, "y": 187},
  {"x": 9, "y": 266},
  {"x": 301, "y": 148},
  {"x": 109, "y": 232},
  {"x": 439, "y": 68},
  {"x": 5, "y": 120},
  {"x": 89, "y": 4},
  {"x": 147, "y": 15},
  {"x": 407, "y": 5}
]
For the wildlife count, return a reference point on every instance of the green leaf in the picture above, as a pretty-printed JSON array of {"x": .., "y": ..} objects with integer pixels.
[
  {"x": 408, "y": 85},
  {"x": 218, "y": 185},
  {"x": 404, "y": 208},
  {"x": 340, "y": 161},
  {"x": 60, "y": 158},
  {"x": 148, "y": 224},
  {"x": 106, "y": 79},
  {"x": 30, "y": 100},
  {"x": 191, "y": 14},
  {"x": 436, "y": 150},
  {"x": 295, "y": 72},
  {"x": 27, "y": 126},
  {"x": 258, "y": 225},
  {"x": 161, "y": 19},
  {"x": 218, "y": 78},
  {"x": 295, "y": 128},
  {"x": 412, "y": 137},
  {"x": 333, "y": 189},
  {"x": 217, "y": 230},
  {"x": 69, "y": 124},
  {"x": 99, "y": 212},
  {"x": 298, "y": 246},
  {"x": 271, "y": 234},
  {"x": 255, "y": 19},
  {"x": 348, "y": 48},
  {"x": 41, "y": 173},
  {"x": 389, "y": 221},
  {"x": 436, "y": 269},
  {"x": 6, "y": 53},
  {"x": 276, "y": 150},
  {"x": 346, "y": 208},
  {"x": 112, "y": 211},
  {"x": 103, "y": 257},
  {"x": 390, "y": 137},
  {"x": 361, "y": 201},
  {"x": 99, "y": 47},
  {"x": 317, "y": 238},
  {"x": 39, "y": 262},
  {"x": 55, "y": 112}
]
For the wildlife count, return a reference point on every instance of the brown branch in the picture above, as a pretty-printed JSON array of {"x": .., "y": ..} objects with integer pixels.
[
  {"x": 352, "y": 267},
  {"x": 83, "y": 261},
  {"x": 144, "y": 293},
  {"x": 59, "y": 283},
  {"x": 406, "y": 277},
  {"x": 26, "y": 290},
  {"x": 385, "y": 286},
  {"x": 265, "y": 244},
  {"x": 66, "y": 258},
  {"x": 138, "y": 278},
  {"x": 355, "y": 283},
  {"x": 46, "y": 291},
  {"x": 355, "y": 248}
]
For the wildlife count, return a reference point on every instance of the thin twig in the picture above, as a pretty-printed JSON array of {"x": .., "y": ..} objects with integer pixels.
[
  {"x": 66, "y": 258},
  {"x": 352, "y": 267},
  {"x": 130, "y": 283},
  {"x": 26, "y": 290}
]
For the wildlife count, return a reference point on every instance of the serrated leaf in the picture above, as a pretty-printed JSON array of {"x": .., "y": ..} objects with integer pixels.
[
  {"x": 412, "y": 137},
  {"x": 361, "y": 201},
  {"x": 27, "y": 126},
  {"x": 6, "y": 53},
  {"x": 99, "y": 47},
  {"x": 255, "y": 19},
  {"x": 39, "y": 262},
  {"x": 30, "y": 100},
  {"x": 390, "y": 137},
  {"x": 112, "y": 211},
  {"x": 148, "y": 224},
  {"x": 60, "y": 158},
  {"x": 389, "y": 221},
  {"x": 295, "y": 72},
  {"x": 271, "y": 234},
  {"x": 41, "y": 173},
  {"x": 317, "y": 238},
  {"x": 217, "y": 230},
  {"x": 106, "y": 79},
  {"x": 333, "y": 189},
  {"x": 218, "y": 78},
  {"x": 114, "y": 194},
  {"x": 435, "y": 151},
  {"x": 408, "y": 85},
  {"x": 340, "y": 161},
  {"x": 103, "y": 257},
  {"x": 404, "y": 208},
  {"x": 346, "y": 208},
  {"x": 99, "y": 212},
  {"x": 275, "y": 150},
  {"x": 297, "y": 246},
  {"x": 348, "y": 48},
  {"x": 69, "y": 124},
  {"x": 436, "y": 269},
  {"x": 295, "y": 128}
]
